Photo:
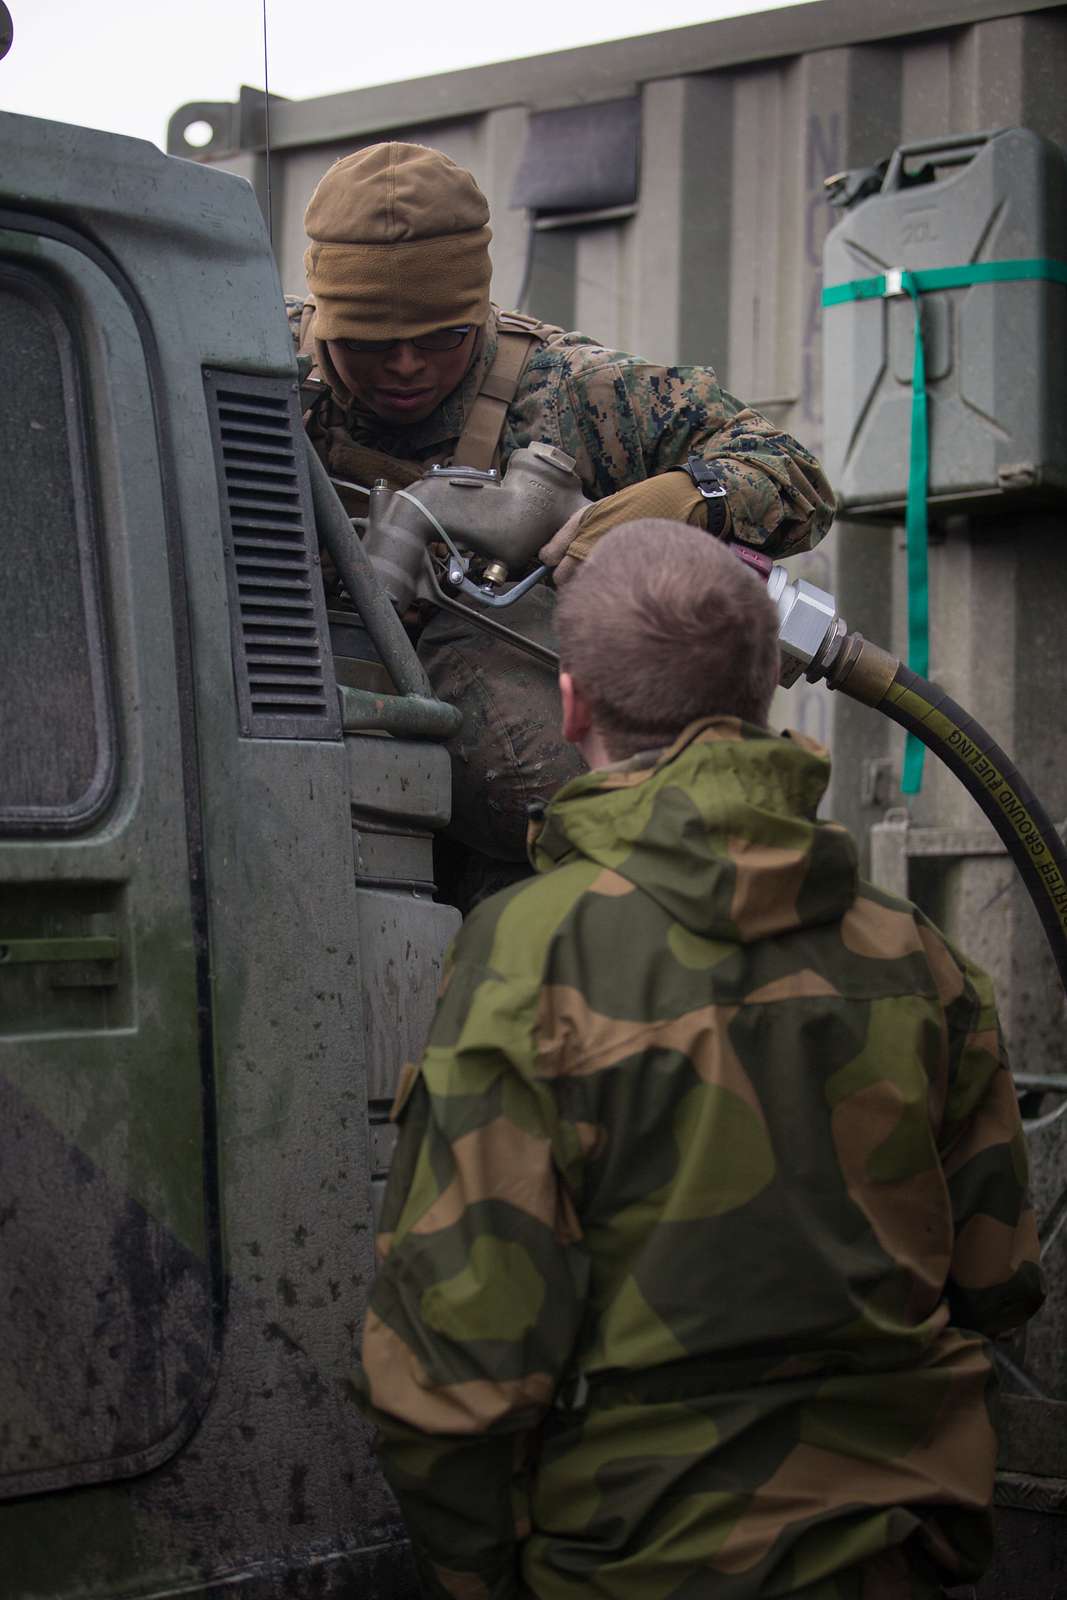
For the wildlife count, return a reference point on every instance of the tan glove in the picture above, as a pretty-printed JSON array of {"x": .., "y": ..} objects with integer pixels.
[{"x": 672, "y": 495}]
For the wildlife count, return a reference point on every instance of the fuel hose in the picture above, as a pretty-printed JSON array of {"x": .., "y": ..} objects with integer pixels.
[{"x": 867, "y": 673}]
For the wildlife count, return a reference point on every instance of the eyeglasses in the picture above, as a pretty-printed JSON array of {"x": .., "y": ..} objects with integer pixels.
[{"x": 437, "y": 339}]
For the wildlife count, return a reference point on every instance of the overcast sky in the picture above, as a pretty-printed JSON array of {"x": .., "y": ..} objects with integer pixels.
[{"x": 126, "y": 65}]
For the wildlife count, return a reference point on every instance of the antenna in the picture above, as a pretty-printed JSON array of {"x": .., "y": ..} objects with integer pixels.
[{"x": 266, "y": 125}]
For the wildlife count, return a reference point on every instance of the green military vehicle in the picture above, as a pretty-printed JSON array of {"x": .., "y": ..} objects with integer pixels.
[{"x": 218, "y": 941}]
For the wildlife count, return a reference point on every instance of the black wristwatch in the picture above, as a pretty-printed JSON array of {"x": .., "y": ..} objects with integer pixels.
[{"x": 713, "y": 490}]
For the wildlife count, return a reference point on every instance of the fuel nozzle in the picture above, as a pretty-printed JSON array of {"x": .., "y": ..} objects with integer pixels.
[
  {"x": 503, "y": 520},
  {"x": 810, "y": 631}
]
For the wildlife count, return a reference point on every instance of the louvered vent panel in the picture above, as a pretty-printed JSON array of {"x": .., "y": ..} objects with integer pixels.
[{"x": 282, "y": 666}]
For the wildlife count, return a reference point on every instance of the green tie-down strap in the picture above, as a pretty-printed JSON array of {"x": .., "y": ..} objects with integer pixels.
[{"x": 915, "y": 284}]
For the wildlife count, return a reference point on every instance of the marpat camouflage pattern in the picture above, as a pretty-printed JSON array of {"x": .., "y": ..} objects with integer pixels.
[
  {"x": 622, "y": 419},
  {"x": 709, "y": 1190}
]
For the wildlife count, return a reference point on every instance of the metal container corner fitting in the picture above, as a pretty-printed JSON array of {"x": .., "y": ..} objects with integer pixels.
[{"x": 990, "y": 209}]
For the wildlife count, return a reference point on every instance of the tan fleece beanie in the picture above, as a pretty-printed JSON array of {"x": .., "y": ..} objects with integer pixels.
[{"x": 399, "y": 245}]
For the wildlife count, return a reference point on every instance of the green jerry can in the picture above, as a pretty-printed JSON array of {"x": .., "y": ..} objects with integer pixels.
[{"x": 982, "y": 222}]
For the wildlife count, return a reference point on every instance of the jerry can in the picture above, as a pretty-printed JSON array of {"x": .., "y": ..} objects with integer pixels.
[{"x": 995, "y": 374}]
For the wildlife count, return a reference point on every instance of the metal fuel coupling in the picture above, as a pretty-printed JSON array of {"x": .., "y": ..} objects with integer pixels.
[{"x": 810, "y": 631}]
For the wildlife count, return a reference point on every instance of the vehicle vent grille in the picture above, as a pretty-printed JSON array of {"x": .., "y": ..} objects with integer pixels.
[{"x": 282, "y": 665}]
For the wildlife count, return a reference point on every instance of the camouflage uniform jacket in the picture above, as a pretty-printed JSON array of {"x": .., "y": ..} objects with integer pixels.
[
  {"x": 622, "y": 419},
  {"x": 709, "y": 1187}
]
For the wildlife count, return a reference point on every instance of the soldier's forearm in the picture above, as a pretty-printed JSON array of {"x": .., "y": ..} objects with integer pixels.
[{"x": 780, "y": 499}]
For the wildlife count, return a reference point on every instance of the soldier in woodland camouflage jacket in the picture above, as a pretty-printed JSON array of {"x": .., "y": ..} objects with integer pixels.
[
  {"x": 711, "y": 1184},
  {"x": 398, "y": 255}
]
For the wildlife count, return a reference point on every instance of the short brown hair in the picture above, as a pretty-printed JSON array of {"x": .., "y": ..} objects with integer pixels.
[{"x": 662, "y": 625}]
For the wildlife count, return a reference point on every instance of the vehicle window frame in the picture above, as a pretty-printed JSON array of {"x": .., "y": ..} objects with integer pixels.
[{"x": 36, "y": 289}]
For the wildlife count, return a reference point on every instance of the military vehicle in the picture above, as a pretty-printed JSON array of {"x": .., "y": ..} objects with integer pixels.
[
  {"x": 218, "y": 933},
  {"x": 218, "y": 939}
]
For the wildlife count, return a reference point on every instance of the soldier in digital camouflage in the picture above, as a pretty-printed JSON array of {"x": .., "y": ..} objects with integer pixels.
[
  {"x": 414, "y": 366},
  {"x": 710, "y": 1189}
]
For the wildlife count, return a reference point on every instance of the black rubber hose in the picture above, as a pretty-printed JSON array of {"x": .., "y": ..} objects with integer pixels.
[{"x": 865, "y": 672}]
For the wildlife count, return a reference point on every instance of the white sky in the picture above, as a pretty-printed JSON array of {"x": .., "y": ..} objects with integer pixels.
[{"x": 126, "y": 65}]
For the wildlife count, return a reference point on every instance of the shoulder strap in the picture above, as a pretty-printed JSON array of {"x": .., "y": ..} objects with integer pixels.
[
  {"x": 305, "y": 343},
  {"x": 480, "y": 439},
  {"x": 520, "y": 322},
  {"x": 313, "y": 386}
]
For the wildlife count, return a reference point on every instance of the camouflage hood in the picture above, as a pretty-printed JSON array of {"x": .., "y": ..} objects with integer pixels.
[{"x": 719, "y": 829}]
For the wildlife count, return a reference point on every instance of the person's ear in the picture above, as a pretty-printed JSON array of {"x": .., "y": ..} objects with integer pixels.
[{"x": 577, "y": 714}]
